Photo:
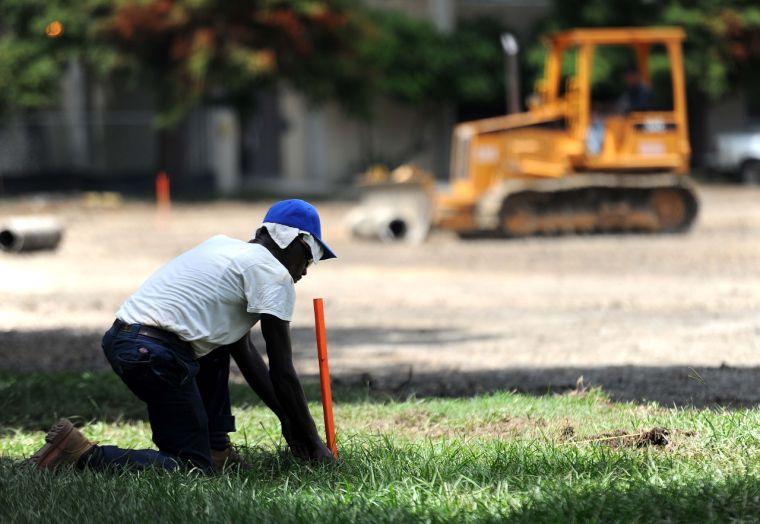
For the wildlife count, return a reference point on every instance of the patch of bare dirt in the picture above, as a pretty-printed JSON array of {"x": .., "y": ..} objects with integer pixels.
[
  {"x": 567, "y": 432},
  {"x": 669, "y": 318},
  {"x": 420, "y": 424},
  {"x": 657, "y": 436}
]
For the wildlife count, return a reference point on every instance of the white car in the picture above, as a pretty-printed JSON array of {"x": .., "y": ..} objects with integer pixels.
[{"x": 737, "y": 153}]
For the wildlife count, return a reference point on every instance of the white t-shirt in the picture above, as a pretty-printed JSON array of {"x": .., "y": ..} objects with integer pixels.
[{"x": 213, "y": 294}]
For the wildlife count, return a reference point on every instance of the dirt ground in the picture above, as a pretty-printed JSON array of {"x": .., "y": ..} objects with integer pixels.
[{"x": 669, "y": 318}]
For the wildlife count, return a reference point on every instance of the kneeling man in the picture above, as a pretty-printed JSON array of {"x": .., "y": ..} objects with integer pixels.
[{"x": 172, "y": 341}]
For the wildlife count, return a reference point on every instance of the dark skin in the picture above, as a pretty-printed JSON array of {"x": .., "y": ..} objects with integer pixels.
[{"x": 278, "y": 386}]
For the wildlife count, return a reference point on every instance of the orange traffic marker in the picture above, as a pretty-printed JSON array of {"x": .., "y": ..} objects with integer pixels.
[
  {"x": 324, "y": 374},
  {"x": 163, "y": 192}
]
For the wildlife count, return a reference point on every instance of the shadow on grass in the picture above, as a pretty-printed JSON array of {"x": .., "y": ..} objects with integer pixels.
[
  {"x": 34, "y": 401},
  {"x": 71, "y": 350},
  {"x": 79, "y": 350},
  {"x": 682, "y": 386},
  {"x": 707, "y": 500}
]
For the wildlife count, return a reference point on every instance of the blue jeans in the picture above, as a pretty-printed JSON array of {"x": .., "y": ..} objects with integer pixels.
[{"x": 188, "y": 402}]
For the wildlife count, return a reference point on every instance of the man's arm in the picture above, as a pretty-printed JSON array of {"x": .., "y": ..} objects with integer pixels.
[
  {"x": 287, "y": 387},
  {"x": 256, "y": 373}
]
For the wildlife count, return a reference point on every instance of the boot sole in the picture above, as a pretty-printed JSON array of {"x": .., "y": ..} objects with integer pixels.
[{"x": 51, "y": 450}]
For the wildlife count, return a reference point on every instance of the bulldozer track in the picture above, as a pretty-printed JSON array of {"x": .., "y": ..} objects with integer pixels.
[{"x": 591, "y": 204}]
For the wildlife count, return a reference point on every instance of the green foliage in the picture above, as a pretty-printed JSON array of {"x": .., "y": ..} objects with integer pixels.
[
  {"x": 225, "y": 50},
  {"x": 193, "y": 51},
  {"x": 722, "y": 46},
  {"x": 188, "y": 51},
  {"x": 412, "y": 62},
  {"x": 31, "y": 62},
  {"x": 723, "y": 42}
]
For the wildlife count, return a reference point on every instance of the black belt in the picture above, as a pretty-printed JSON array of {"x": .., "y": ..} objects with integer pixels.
[{"x": 153, "y": 332}]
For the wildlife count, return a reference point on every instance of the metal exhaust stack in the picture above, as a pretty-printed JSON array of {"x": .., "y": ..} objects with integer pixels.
[
  {"x": 512, "y": 72},
  {"x": 19, "y": 235}
]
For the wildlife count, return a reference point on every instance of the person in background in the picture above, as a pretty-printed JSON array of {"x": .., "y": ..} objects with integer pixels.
[{"x": 637, "y": 95}]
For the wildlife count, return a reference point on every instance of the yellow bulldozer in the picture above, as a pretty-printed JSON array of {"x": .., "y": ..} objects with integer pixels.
[{"x": 567, "y": 165}]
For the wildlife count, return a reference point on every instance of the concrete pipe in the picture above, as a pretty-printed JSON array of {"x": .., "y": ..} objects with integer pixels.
[
  {"x": 392, "y": 213},
  {"x": 30, "y": 234}
]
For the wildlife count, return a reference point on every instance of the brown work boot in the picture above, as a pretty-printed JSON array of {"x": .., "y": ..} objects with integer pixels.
[
  {"x": 229, "y": 459},
  {"x": 64, "y": 445}
]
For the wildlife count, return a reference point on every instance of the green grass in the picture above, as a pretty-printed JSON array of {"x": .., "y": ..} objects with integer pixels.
[{"x": 489, "y": 458}]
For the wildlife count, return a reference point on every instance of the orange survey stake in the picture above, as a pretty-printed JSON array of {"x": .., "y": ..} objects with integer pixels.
[
  {"x": 324, "y": 374},
  {"x": 163, "y": 193}
]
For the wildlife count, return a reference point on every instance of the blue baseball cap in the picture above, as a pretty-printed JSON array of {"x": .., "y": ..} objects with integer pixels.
[{"x": 301, "y": 215}]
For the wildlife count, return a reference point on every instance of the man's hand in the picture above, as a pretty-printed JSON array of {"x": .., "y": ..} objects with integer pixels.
[
  {"x": 322, "y": 454},
  {"x": 297, "y": 447},
  {"x": 311, "y": 451}
]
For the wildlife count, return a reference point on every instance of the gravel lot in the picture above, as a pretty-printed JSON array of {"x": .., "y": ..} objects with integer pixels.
[{"x": 668, "y": 318}]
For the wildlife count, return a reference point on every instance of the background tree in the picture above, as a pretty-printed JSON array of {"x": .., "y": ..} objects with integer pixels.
[
  {"x": 38, "y": 38},
  {"x": 225, "y": 50},
  {"x": 723, "y": 37},
  {"x": 415, "y": 63},
  {"x": 188, "y": 51}
]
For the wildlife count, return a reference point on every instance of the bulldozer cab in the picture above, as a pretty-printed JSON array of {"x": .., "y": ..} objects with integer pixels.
[{"x": 640, "y": 127}]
